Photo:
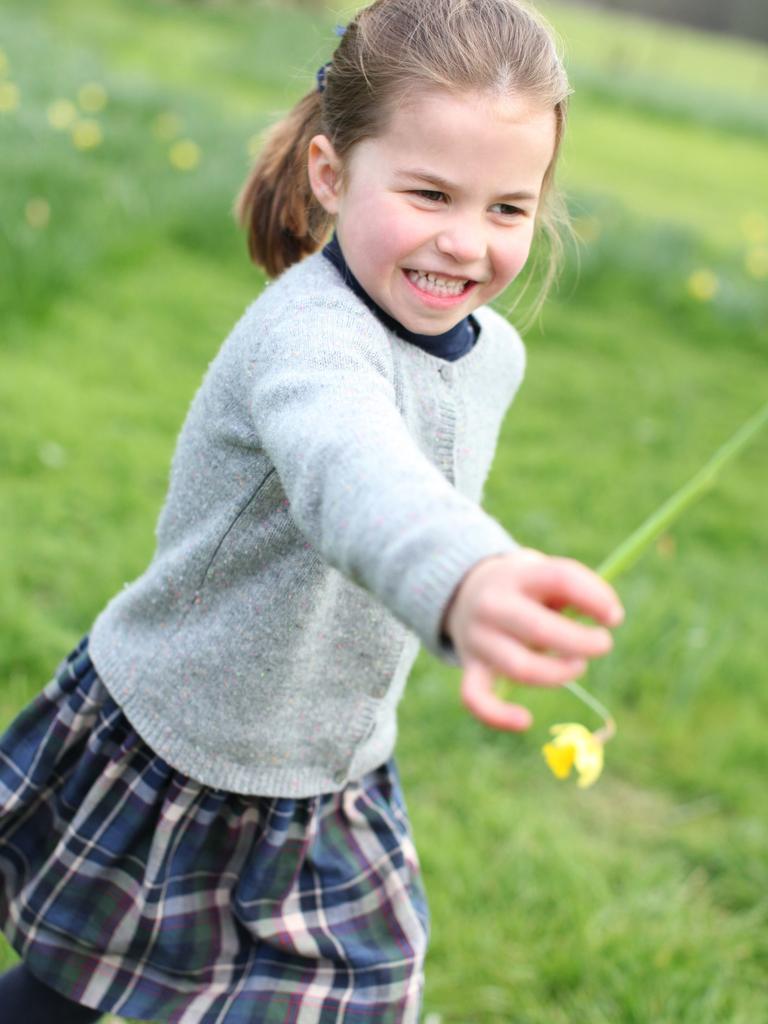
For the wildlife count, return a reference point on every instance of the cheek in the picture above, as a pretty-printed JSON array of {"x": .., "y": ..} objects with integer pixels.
[
  {"x": 381, "y": 235},
  {"x": 364, "y": 222},
  {"x": 515, "y": 258},
  {"x": 393, "y": 227}
]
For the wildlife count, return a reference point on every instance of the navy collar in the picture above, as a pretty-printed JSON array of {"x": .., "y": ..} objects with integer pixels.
[{"x": 450, "y": 345}]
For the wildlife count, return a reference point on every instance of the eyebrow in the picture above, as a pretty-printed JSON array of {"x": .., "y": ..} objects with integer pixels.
[{"x": 420, "y": 174}]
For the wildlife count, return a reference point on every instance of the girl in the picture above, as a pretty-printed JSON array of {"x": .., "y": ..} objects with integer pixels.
[{"x": 202, "y": 821}]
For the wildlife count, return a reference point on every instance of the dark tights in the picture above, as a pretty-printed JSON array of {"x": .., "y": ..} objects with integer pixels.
[{"x": 25, "y": 1000}]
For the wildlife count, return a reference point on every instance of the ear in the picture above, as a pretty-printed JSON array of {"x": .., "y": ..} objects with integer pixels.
[{"x": 324, "y": 167}]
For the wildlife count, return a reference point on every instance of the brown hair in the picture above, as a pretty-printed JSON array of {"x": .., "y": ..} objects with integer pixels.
[{"x": 391, "y": 48}]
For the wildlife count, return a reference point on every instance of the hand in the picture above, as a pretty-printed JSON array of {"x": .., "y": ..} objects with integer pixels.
[{"x": 504, "y": 620}]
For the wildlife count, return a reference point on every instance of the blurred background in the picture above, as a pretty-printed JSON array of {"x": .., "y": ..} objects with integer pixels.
[
  {"x": 126, "y": 130},
  {"x": 747, "y": 18}
]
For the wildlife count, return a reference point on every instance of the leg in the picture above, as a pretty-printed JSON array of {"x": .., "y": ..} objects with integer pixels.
[{"x": 24, "y": 998}]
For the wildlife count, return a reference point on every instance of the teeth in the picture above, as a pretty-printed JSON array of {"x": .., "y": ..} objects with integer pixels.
[{"x": 436, "y": 285}]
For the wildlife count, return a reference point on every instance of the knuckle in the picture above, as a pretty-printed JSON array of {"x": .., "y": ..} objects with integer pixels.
[
  {"x": 519, "y": 664},
  {"x": 476, "y": 637},
  {"x": 556, "y": 574},
  {"x": 581, "y": 639},
  {"x": 487, "y": 607},
  {"x": 570, "y": 572},
  {"x": 539, "y": 635}
]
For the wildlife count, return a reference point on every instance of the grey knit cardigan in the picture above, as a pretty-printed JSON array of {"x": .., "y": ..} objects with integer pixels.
[{"x": 322, "y": 508}]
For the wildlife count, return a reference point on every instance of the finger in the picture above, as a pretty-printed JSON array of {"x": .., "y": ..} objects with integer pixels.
[
  {"x": 566, "y": 582},
  {"x": 540, "y": 628},
  {"x": 479, "y": 699},
  {"x": 504, "y": 656}
]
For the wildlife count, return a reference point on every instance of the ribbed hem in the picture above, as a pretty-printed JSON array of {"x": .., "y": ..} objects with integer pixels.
[
  {"x": 443, "y": 575},
  {"x": 294, "y": 781}
]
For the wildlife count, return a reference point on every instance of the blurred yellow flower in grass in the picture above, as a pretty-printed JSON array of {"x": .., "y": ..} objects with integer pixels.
[
  {"x": 703, "y": 285},
  {"x": 184, "y": 155},
  {"x": 756, "y": 262},
  {"x": 86, "y": 134},
  {"x": 9, "y": 97},
  {"x": 62, "y": 114},
  {"x": 574, "y": 746},
  {"x": 167, "y": 126},
  {"x": 37, "y": 212},
  {"x": 666, "y": 546},
  {"x": 587, "y": 229},
  {"x": 755, "y": 227},
  {"x": 92, "y": 97}
]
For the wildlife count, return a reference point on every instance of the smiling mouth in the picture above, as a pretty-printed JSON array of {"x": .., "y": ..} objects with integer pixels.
[{"x": 438, "y": 284}]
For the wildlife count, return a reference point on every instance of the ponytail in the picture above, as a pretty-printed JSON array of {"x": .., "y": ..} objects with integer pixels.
[{"x": 276, "y": 205}]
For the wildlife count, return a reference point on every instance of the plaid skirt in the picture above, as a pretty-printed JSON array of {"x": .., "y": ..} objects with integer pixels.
[{"x": 131, "y": 888}]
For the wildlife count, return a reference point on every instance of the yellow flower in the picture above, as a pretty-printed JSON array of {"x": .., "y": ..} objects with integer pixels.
[
  {"x": 61, "y": 114},
  {"x": 37, "y": 212},
  {"x": 703, "y": 285},
  {"x": 587, "y": 229},
  {"x": 755, "y": 227},
  {"x": 92, "y": 97},
  {"x": 9, "y": 97},
  {"x": 86, "y": 134},
  {"x": 756, "y": 263},
  {"x": 666, "y": 545},
  {"x": 574, "y": 746},
  {"x": 184, "y": 155},
  {"x": 167, "y": 126}
]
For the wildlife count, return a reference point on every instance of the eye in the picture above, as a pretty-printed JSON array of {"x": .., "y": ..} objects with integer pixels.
[
  {"x": 431, "y": 195},
  {"x": 507, "y": 210}
]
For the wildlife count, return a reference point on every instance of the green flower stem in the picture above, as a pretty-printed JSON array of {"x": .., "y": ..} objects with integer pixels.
[
  {"x": 609, "y": 725},
  {"x": 630, "y": 550}
]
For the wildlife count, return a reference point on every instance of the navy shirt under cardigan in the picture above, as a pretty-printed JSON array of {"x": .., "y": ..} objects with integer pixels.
[{"x": 451, "y": 345}]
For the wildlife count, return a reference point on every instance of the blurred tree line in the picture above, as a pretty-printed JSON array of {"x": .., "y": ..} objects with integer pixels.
[{"x": 739, "y": 17}]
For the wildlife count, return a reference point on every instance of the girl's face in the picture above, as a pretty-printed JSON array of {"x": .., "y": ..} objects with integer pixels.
[{"x": 436, "y": 216}]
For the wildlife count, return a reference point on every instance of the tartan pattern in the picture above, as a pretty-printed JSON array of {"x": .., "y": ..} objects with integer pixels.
[{"x": 134, "y": 889}]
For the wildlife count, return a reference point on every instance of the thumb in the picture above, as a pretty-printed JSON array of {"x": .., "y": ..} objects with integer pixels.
[{"x": 478, "y": 697}]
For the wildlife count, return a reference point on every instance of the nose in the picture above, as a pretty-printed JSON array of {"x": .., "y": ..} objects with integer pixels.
[{"x": 463, "y": 239}]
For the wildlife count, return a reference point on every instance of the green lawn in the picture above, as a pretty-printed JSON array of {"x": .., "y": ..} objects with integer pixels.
[{"x": 642, "y": 900}]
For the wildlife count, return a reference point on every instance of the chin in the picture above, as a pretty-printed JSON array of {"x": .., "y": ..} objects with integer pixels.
[
  {"x": 431, "y": 327},
  {"x": 431, "y": 330}
]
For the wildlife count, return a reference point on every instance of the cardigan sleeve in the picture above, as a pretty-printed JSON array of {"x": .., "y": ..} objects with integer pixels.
[{"x": 360, "y": 488}]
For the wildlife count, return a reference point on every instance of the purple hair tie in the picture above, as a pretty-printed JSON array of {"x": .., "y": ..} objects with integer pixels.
[{"x": 322, "y": 74}]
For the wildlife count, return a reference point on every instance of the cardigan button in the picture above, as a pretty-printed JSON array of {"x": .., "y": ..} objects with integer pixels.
[{"x": 446, "y": 372}]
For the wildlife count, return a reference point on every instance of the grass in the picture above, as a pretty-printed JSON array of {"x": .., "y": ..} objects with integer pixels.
[
  {"x": 642, "y": 899},
  {"x": 703, "y": 78}
]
